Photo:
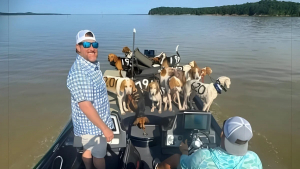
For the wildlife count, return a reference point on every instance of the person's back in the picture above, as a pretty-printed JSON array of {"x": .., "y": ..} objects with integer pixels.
[{"x": 217, "y": 158}]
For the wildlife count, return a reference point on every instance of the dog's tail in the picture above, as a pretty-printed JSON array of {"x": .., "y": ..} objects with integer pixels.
[{"x": 177, "y": 50}]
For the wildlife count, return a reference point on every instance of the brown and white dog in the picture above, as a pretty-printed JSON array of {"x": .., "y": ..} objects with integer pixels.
[
  {"x": 171, "y": 81},
  {"x": 155, "y": 95},
  {"x": 120, "y": 86},
  {"x": 207, "y": 92},
  {"x": 193, "y": 71},
  {"x": 128, "y": 53}
]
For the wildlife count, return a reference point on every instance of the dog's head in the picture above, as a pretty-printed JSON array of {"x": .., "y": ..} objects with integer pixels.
[
  {"x": 175, "y": 84},
  {"x": 225, "y": 81},
  {"x": 127, "y": 86},
  {"x": 153, "y": 88},
  {"x": 140, "y": 121},
  {"x": 112, "y": 57},
  {"x": 195, "y": 73},
  {"x": 126, "y": 50},
  {"x": 156, "y": 60}
]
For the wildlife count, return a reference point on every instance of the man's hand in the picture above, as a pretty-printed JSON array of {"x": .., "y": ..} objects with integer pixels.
[
  {"x": 91, "y": 113},
  {"x": 184, "y": 147},
  {"x": 108, "y": 134}
]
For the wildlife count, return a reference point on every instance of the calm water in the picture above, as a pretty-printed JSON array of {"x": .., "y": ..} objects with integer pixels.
[{"x": 259, "y": 54}]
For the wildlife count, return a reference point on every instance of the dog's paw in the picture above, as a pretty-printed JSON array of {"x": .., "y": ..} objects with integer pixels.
[
  {"x": 159, "y": 111},
  {"x": 170, "y": 108},
  {"x": 152, "y": 110},
  {"x": 122, "y": 112},
  {"x": 125, "y": 109}
]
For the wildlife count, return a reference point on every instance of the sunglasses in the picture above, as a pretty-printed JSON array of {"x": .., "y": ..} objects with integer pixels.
[{"x": 88, "y": 44}]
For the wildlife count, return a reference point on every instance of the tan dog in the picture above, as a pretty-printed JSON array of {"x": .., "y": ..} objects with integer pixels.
[
  {"x": 154, "y": 95},
  {"x": 120, "y": 87},
  {"x": 119, "y": 63},
  {"x": 115, "y": 61},
  {"x": 207, "y": 92}
]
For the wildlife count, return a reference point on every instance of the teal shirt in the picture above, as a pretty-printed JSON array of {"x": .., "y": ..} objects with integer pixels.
[{"x": 217, "y": 158}]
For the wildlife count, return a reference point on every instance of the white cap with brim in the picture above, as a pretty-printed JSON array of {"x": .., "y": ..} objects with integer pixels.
[
  {"x": 80, "y": 37},
  {"x": 238, "y": 132}
]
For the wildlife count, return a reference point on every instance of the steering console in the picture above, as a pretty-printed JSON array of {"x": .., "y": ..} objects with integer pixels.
[{"x": 196, "y": 142}]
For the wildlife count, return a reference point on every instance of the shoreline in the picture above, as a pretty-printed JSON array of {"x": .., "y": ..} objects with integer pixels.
[{"x": 232, "y": 15}]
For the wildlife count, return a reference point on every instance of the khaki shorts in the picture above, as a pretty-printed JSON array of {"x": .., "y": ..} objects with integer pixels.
[{"x": 96, "y": 144}]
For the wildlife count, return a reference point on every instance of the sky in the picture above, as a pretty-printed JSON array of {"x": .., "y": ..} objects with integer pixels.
[{"x": 107, "y": 6}]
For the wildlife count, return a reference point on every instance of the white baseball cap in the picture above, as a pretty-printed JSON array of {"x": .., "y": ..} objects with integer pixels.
[
  {"x": 80, "y": 37},
  {"x": 238, "y": 132}
]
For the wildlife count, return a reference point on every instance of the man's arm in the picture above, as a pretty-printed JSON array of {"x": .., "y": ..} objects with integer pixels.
[{"x": 91, "y": 113}]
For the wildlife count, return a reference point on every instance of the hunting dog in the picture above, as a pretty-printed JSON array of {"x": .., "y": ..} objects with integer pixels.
[
  {"x": 207, "y": 92},
  {"x": 171, "y": 81},
  {"x": 120, "y": 86},
  {"x": 155, "y": 96},
  {"x": 120, "y": 63},
  {"x": 128, "y": 53},
  {"x": 193, "y": 71},
  {"x": 136, "y": 102}
]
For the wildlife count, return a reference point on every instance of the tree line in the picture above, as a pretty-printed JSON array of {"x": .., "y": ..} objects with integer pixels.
[{"x": 263, "y": 7}]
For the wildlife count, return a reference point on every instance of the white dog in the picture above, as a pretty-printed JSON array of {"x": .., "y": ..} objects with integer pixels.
[
  {"x": 207, "y": 92},
  {"x": 121, "y": 87}
]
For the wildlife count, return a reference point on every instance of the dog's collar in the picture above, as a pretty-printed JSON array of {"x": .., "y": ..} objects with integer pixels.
[{"x": 218, "y": 87}]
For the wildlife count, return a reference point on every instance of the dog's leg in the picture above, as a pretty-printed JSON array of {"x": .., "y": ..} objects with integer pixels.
[
  {"x": 169, "y": 101},
  {"x": 124, "y": 105},
  {"x": 179, "y": 102},
  {"x": 152, "y": 109},
  {"x": 160, "y": 102},
  {"x": 208, "y": 107},
  {"x": 120, "y": 100},
  {"x": 165, "y": 100},
  {"x": 193, "y": 94},
  {"x": 120, "y": 73}
]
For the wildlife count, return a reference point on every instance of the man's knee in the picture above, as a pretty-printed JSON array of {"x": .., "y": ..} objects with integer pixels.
[{"x": 87, "y": 154}]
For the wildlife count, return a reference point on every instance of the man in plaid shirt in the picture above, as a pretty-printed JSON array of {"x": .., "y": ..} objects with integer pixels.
[{"x": 89, "y": 101}]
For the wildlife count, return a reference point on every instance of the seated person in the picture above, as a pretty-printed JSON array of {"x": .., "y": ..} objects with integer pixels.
[{"x": 233, "y": 153}]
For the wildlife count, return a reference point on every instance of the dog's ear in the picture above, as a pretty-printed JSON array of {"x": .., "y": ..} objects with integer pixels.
[
  {"x": 122, "y": 87},
  {"x": 146, "y": 120},
  {"x": 133, "y": 86},
  {"x": 136, "y": 121},
  {"x": 208, "y": 70},
  {"x": 115, "y": 58},
  {"x": 227, "y": 83}
]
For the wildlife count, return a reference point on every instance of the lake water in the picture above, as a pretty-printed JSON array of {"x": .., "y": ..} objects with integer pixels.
[{"x": 259, "y": 54}]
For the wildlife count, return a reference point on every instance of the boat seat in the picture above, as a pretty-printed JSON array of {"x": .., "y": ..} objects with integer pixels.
[{"x": 139, "y": 139}]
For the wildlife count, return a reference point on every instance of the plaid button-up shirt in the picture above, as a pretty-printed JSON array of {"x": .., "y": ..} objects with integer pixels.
[{"x": 86, "y": 83}]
